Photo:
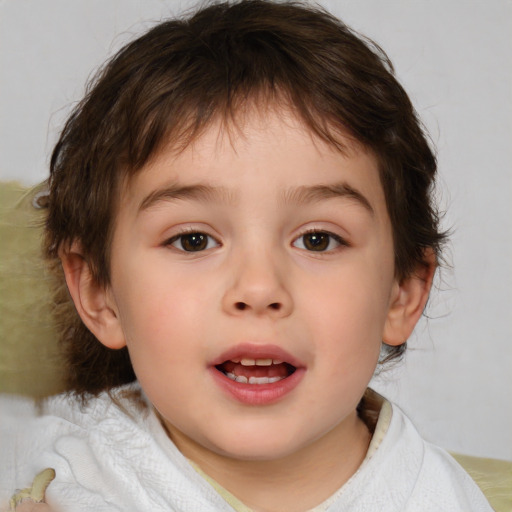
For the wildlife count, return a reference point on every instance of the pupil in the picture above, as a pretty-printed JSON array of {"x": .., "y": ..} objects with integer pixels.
[
  {"x": 316, "y": 241},
  {"x": 194, "y": 242}
]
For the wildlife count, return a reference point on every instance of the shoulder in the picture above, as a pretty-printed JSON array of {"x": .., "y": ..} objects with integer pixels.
[
  {"x": 61, "y": 433},
  {"x": 404, "y": 472},
  {"x": 440, "y": 483},
  {"x": 443, "y": 482},
  {"x": 109, "y": 454},
  {"x": 67, "y": 413}
]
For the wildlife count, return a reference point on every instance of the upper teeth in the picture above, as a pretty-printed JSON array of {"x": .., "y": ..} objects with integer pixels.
[{"x": 257, "y": 362}]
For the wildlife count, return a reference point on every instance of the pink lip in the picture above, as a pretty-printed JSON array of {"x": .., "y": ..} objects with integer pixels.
[
  {"x": 255, "y": 351},
  {"x": 257, "y": 394}
]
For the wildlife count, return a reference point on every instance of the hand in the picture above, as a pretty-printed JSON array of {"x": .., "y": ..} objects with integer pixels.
[
  {"x": 31, "y": 499},
  {"x": 28, "y": 505}
]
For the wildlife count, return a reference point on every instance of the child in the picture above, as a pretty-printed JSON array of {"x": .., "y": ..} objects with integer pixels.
[{"x": 241, "y": 209}]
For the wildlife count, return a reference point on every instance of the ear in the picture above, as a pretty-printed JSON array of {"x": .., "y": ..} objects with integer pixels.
[
  {"x": 408, "y": 300},
  {"x": 93, "y": 302}
]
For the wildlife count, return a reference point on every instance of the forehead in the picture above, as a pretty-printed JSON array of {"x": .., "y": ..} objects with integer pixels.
[{"x": 267, "y": 150}]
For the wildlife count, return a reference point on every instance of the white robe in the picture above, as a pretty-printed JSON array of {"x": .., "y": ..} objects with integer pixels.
[{"x": 109, "y": 458}]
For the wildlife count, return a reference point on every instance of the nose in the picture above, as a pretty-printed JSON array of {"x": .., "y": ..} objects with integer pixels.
[{"x": 258, "y": 287}]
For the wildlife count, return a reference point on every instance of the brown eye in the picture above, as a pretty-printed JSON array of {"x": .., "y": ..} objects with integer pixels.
[
  {"x": 192, "y": 242},
  {"x": 318, "y": 241}
]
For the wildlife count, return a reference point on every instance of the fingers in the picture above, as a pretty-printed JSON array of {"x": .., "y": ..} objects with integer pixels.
[
  {"x": 27, "y": 505},
  {"x": 32, "y": 498}
]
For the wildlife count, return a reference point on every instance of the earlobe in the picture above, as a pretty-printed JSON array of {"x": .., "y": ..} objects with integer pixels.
[
  {"x": 408, "y": 301},
  {"x": 92, "y": 301}
]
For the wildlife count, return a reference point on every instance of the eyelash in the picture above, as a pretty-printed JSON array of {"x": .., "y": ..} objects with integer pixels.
[
  {"x": 188, "y": 232},
  {"x": 204, "y": 237},
  {"x": 341, "y": 242}
]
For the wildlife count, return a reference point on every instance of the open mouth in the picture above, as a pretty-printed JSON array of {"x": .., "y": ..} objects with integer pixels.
[
  {"x": 256, "y": 371},
  {"x": 257, "y": 374}
]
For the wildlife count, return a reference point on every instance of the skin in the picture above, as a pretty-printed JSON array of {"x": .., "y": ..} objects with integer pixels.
[
  {"x": 256, "y": 282},
  {"x": 29, "y": 506},
  {"x": 31, "y": 499}
]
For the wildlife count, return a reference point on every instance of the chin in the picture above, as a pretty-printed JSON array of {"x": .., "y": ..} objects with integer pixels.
[
  {"x": 257, "y": 453},
  {"x": 257, "y": 445}
]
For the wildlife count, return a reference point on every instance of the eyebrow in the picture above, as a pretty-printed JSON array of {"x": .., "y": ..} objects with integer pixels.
[
  {"x": 299, "y": 195},
  {"x": 311, "y": 194},
  {"x": 175, "y": 191}
]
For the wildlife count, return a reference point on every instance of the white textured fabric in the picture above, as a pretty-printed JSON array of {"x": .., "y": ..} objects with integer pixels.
[{"x": 110, "y": 457}]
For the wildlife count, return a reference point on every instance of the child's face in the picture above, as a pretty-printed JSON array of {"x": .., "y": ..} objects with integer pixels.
[{"x": 261, "y": 244}]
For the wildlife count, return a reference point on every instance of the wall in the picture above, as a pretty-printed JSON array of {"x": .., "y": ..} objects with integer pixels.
[{"x": 454, "y": 59}]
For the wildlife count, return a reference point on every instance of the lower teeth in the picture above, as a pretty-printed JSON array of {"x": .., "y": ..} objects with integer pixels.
[{"x": 252, "y": 380}]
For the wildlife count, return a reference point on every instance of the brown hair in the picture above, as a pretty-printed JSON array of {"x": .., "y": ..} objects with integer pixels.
[{"x": 171, "y": 82}]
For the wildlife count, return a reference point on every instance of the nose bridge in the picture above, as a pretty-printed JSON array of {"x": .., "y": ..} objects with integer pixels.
[{"x": 258, "y": 283}]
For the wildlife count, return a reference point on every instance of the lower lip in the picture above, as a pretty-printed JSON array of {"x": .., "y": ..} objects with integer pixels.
[{"x": 258, "y": 394}]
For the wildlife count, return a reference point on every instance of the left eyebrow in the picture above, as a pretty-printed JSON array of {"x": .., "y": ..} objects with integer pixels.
[{"x": 305, "y": 194}]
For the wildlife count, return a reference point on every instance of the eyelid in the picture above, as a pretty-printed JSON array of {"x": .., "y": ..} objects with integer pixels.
[
  {"x": 188, "y": 231},
  {"x": 340, "y": 240}
]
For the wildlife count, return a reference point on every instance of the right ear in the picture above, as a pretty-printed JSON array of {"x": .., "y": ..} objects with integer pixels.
[{"x": 93, "y": 302}]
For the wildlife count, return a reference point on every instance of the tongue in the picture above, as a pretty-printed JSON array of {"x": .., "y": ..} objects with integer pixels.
[{"x": 274, "y": 370}]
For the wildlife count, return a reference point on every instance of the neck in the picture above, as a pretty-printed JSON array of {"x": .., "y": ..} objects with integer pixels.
[{"x": 297, "y": 482}]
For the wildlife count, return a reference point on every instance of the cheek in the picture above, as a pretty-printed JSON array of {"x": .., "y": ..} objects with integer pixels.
[
  {"x": 161, "y": 337},
  {"x": 352, "y": 301},
  {"x": 346, "y": 315},
  {"x": 165, "y": 318},
  {"x": 156, "y": 297}
]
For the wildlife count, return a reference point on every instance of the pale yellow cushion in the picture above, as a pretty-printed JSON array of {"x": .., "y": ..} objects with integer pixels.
[
  {"x": 493, "y": 476},
  {"x": 29, "y": 361}
]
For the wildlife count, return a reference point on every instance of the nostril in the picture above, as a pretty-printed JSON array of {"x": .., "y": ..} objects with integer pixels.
[{"x": 241, "y": 306}]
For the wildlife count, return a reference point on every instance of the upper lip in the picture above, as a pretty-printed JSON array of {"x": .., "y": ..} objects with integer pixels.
[{"x": 257, "y": 351}]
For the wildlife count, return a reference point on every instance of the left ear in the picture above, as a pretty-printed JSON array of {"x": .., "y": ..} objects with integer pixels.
[{"x": 408, "y": 300}]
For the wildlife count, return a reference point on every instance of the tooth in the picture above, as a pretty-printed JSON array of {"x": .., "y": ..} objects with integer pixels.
[
  {"x": 263, "y": 362},
  {"x": 264, "y": 380},
  {"x": 276, "y": 361},
  {"x": 252, "y": 380},
  {"x": 235, "y": 360},
  {"x": 247, "y": 362},
  {"x": 258, "y": 380}
]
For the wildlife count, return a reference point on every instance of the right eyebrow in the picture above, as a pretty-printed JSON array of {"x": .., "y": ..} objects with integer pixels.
[{"x": 173, "y": 192}]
